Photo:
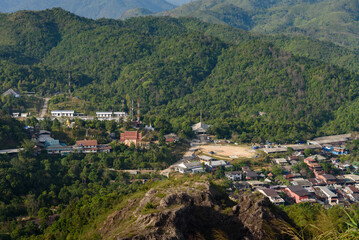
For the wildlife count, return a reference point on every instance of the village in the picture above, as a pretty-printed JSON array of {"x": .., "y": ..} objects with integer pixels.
[{"x": 309, "y": 172}]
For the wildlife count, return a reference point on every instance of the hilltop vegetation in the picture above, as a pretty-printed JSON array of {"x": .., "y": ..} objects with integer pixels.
[
  {"x": 178, "y": 67},
  {"x": 330, "y": 20},
  {"x": 91, "y": 8}
]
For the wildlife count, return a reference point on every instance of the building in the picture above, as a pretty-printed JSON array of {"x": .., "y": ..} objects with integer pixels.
[
  {"x": 205, "y": 158},
  {"x": 298, "y": 194},
  {"x": 280, "y": 161},
  {"x": 327, "y": 178},
  {"x": 86, "y": 146},
  {"x": 200, "y": 128},
  {"x": 62, "y": 113},
  {"x": 249, "y": 174},
  {"x": 54, "y": 147},
  {"x": 324, "y": 194},
  {"x": 129, "y": 137},
  {"x": 234, "y": 175},
  {"x": 189, "y": 167},
  {"x": 121, "y": 115},
  {"x": 104, "y": 115},
  {"x": 215, "y": 164},
  {"x": 272, "y": 195},
  {"x": 11, "y": 92},
  {"x": 171, "y": 137}
]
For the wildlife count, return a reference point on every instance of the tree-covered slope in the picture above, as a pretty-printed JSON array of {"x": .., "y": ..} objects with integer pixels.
[
  {"x": 178, "y": 67},
  {"x": 331, "y": 20},
  {"x": 87, "y": 8}
]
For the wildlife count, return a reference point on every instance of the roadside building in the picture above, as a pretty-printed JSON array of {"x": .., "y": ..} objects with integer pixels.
[{"x": 62, "y": 113}]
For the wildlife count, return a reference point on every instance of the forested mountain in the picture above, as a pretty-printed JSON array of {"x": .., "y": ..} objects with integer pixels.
[
  {"x": 178, "y": 67},
  {"x": 87, "y": 8},
  {"x": 331, "y": 20}
]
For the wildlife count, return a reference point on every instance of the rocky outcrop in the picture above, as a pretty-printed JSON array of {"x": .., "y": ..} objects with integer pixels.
[{"x": 196, "y": 212}]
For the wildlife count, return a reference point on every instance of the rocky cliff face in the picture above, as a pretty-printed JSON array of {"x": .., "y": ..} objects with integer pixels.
[{"x": 197, "y": 212}]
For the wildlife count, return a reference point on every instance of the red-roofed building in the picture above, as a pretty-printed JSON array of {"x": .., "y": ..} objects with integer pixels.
[
  {"x": 86, "y": 146},
  {"x": 298, "y": 194},
  {"x": 130, "y": 137}
]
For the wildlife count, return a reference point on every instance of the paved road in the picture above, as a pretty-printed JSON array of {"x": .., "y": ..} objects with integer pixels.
[{"x": 44, "y": 107}]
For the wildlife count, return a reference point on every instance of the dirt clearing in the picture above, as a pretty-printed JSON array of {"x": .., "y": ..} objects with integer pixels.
[{"x": 228, "y": 151}]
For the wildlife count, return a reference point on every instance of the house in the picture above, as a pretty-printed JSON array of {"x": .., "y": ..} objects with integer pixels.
[
  {"x": 62, "y": 113},
  {"x": 205, "y": 158},
  {"x": 352, "y": 177},
  {"x": 131, "y": 137},
  {"x": 255, "y": 184},
  {"x": 215, "y": 164},
  {"x": 302, "y": 182},
  {"x": 324, "y": 194},
  {"x": 327, "y": 178},
  {"x": 280, "y": 161},
  {"x": 86, "y": 146},
  {"x": 298, "y": 194},
  {"x": 194, "y": 167},
  {"x": 250, "y": 175},
  {"x": 272, "y": 195},
  {"x": 11, "y": 92},
  {"x": 234, "y": 175},
  {"x": 200, "y": 128},
  {"x": 171, "y": 137},
  {"x": 104, "y": 115},
  {"x": 15, "y": 114}
]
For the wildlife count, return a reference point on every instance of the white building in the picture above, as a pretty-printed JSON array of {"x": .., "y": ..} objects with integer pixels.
[
  {"x": 62, "y": 113},
  {"x": 106, "y": 115},
  {"x": 122, "y": 115}
]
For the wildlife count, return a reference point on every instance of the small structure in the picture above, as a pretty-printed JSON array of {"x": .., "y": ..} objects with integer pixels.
[
  {"x": 11, "y": 92},
  {"x": 298, "y": 194},
  {"x": 272, "y": 195},
  {"x": 15, "y": 115},
  {"x": 234, "y": 175},
  {"x": 280, "y": 161},
  {"x": 255, "y": 184},
  {"x": 200, "y": 128},
  {"x": 205, "y": 158},
  {"x": 62, "y": 113},
  {"x": 171, "y": 137},
  {"x": 131, "y": 137},
  {"x": 119, "y": 115}
]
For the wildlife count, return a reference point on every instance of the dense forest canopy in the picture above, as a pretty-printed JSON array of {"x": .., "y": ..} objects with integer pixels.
[
  {"x": 330, "y": 20},
  {"x": 177, "y": 67}
]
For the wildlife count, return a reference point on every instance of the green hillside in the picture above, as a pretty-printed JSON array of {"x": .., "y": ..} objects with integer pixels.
[
  {"x": 178, "y": 67},
  {"x": 330, "y": 20},
  {"x": 89, "y": 8}
]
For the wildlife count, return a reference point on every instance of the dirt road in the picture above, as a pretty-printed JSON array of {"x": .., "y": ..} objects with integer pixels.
[{"x": 44, "y": 107}]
